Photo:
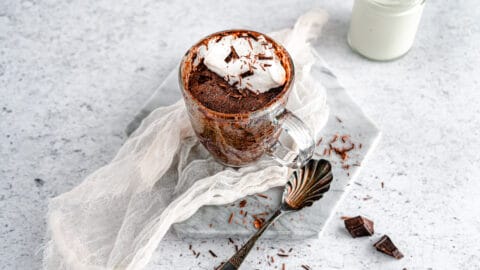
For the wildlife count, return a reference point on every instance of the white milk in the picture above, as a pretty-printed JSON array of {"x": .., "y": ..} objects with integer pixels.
[{"x": 384, "y": 29}]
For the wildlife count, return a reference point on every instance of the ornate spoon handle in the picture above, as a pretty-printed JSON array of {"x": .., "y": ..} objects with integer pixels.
[{"x": 236, "y": 260}]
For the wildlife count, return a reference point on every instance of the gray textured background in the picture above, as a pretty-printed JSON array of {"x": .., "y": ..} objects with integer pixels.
[{"x": 74, "y": 73}]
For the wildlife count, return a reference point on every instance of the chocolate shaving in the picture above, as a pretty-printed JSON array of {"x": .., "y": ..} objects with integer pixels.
[
  {"x": 231, "y": 240},
  {"x": 264, "y": 57},
  {"x": 228, "y": 58},
  {"x": 232, "y": 55},
  {"x": 262, "y": 195},
  {"x": 359, "y": 226},
  {"x": 334, "y": 139},
  {"x": 282, "y": 255},
  {"x": 212, "y": 253},
  {"x": 306, "y": 267},
  {"x": 246, "y": 74},
  {"x": 230, "y": 218},
  {"x": 252, "y": 36},
  {"x": 343, "y": 152},
  {"x": 368, "y": 197},
  {"x": 319, "y": 141},
  {"x": 385, "y": 245},
  {"x": 250, "y": 43}
]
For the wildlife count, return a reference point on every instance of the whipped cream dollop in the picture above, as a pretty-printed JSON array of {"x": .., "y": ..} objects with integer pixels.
[{"x": 245, "y": 61}]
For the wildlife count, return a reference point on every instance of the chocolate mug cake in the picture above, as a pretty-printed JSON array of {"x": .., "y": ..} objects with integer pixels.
[{"x": 235, "y": 85}]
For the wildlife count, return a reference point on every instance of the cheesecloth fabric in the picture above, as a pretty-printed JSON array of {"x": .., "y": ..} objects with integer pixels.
[{"x": 117, "y": 216}]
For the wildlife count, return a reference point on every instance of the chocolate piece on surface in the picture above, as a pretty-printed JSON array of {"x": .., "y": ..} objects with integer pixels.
[
  {"x": 385, "y": 245},
  {"x": 359, "y": 226}
]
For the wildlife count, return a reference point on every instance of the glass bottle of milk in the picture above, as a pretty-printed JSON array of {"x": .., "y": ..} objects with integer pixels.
[{"x": 384, "y": 29}]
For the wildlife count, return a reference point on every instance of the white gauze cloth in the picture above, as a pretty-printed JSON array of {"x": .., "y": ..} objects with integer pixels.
[{"x": 117, "y": 216}]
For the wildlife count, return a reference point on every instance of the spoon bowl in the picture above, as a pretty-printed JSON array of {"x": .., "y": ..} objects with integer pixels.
[{"x": 306, "y": 185}]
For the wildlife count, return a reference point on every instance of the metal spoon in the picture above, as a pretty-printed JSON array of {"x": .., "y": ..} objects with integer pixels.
[{"x": 305, "y": 186}]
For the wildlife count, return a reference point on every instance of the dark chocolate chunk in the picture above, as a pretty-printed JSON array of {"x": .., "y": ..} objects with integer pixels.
[
  {"x": 385, "y": 245},
  {"x": 359, "y": 226}
]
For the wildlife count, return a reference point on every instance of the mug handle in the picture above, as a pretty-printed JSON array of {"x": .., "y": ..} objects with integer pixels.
[{"x": 295, "y": 149}]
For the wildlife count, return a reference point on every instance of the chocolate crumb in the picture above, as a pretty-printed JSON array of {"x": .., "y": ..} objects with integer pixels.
[
  {"x": 230, "y": 240},
  {"x": 382, "y": 184},
  {"x": 203, "y": 79},
  {"x": 359, "y": 226},
  {"x": 39, "y": 182},
  {"x": 258, "y": 223},
  {"x": 283, "y": 267},
  {"x": 306, "y": 267},
  {"x": 338, "y": 119},
  {"x": 230, "y": 218},
  {"x": 212, "y": 253},
  {"x": 282, "y": 255},
  {"x": 198, "y": 254},
  {"x": 385, "y": 245}
]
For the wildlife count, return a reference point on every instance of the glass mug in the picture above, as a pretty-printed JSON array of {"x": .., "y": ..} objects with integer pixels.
[{"x": 240, "y": 139}]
